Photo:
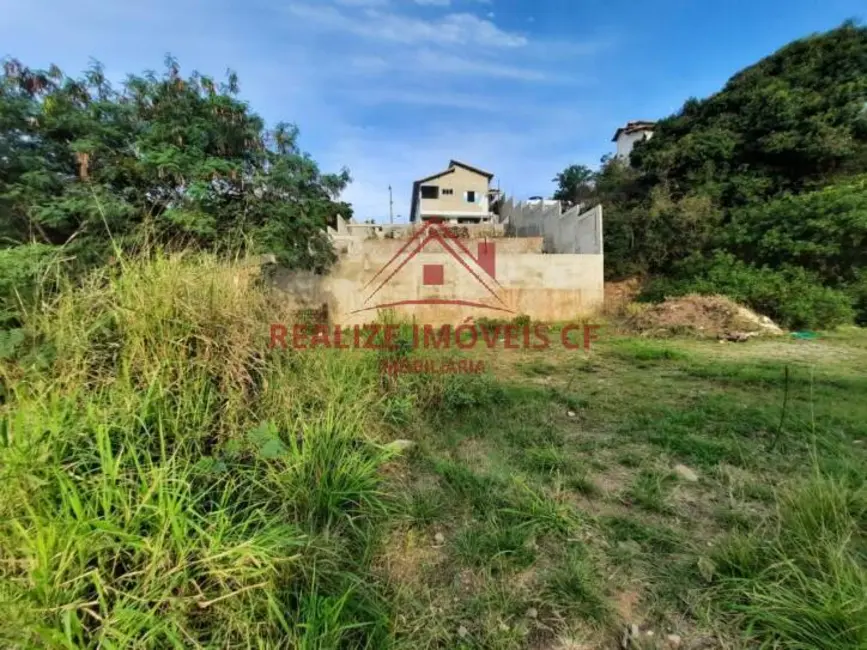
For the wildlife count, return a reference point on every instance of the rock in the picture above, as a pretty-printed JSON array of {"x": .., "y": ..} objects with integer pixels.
[
  {"x": 673, "y": 640},
  {"x": 571, "y": 414},
  {"x": 439, "y": 538},
  {"x": 686, "y": 473},
  {"x": 532, "y": 613},
  {"x": 400, "y": 446},
  {"x": 462, "y": 631}
]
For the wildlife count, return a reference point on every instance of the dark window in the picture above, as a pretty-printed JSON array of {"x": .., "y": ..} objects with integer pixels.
[
  {"x": 430, "y": 191},
  {"x": 471, "y": 196},
  {"x": 448, "y": 192}
]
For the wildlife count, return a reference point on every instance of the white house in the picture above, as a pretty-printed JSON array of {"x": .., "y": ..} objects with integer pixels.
[{"x": 627, "y": 136}]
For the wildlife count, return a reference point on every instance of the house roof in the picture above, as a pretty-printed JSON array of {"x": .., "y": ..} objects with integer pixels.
[
  {"x": 433, "y": 176},
  {"x": 633, "y": 127},
  {"x": 458, "y": 163}
]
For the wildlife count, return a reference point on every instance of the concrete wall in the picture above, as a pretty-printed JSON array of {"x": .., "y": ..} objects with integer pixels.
[
  {"x": 568, "y": 232},
  {"x": 545, "y": 287}
]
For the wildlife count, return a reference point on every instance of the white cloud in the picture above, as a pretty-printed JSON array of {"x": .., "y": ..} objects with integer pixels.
[
  {"x": 362, "y": 3},
  {"x": 463, "y": 101},
  {"x": 369, "y": 64},
  {"x": 430, "y": 60},
  {"x": 451, "y": 29}
]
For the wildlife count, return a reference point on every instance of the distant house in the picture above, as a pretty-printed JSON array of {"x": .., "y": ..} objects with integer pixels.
[
  {"x": 541, "y": 201},
  {"x": 627, "y": 136},
  {"x": 459, "y": 194}
]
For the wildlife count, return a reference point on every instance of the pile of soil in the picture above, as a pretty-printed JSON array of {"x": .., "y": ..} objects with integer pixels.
[{"x": 710, "y": 316}]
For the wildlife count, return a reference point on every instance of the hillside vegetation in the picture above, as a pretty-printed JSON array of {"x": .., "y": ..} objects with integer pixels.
[{"x": 758, "y": 191}]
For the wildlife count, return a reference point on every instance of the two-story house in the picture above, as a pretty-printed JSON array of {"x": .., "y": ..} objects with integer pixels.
[{"x": 459, "y": 194}]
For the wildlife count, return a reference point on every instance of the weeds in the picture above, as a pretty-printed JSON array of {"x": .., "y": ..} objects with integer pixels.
[
  {"x": 801, "y": 581},
  {"x": 137, "y": 513}
]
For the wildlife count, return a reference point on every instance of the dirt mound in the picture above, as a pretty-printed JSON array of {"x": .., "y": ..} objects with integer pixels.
[{"x": 711, "y": 316}]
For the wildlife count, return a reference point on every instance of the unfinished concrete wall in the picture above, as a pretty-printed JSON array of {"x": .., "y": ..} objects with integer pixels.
[{"x": 563, "y": 232}]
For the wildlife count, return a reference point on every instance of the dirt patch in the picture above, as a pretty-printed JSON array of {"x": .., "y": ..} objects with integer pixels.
[
  {"x": 407, "y": 556},
  {"x": 619, "y": 294},
  {"x": 706, "y": 316}
]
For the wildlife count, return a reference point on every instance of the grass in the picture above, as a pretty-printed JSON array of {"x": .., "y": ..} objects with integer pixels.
[
  {"x": 650, "y": 491},
  {"x": 169, "y": 481},
  {"x": 170, "y": 485},
  {"x": 802, "y": 583}
]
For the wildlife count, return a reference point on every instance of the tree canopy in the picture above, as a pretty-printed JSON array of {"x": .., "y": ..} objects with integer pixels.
[
  {"x": 761, "y": 185},
  {"x": 162, "y": 158},
  {"x": 574, "y": 184}
]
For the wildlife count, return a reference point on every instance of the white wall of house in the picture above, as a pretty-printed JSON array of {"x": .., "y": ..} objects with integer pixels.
[{"x": 627, "y": 141}]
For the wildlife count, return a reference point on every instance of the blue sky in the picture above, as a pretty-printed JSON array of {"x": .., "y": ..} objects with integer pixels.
[{"x": 393, "y": 89}]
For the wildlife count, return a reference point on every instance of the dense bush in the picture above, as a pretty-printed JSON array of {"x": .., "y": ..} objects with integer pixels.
[
  {"x": 24, "y": 270},
  {"x": 790, "y": 294}
]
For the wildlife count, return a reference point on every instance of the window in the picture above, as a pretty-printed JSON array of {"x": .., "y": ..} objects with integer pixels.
[
  {"x": 430, "y": 192},
  {"x": 448, "y": 191},
  {"x": 471, "y": 196}
]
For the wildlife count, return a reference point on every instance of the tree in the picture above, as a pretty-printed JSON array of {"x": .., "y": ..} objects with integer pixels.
[
  {"x": 181, "y": 161},
  {"x": 575, "y": 184}
]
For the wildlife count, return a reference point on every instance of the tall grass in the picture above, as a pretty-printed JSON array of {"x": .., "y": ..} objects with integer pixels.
[
  {"x": 801, "y": 580},
  {"x": 170, "y": 482}
]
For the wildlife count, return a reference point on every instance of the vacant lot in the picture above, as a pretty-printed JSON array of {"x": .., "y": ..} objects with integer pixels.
[
  {"x": 169, "y": 482},
  {"x": 681, "y": 486}
]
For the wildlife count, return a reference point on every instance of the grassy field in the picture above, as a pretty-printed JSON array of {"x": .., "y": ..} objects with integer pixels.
[
  {"x": 169, "y": 482},
  {"x": 563, "y": 515}
]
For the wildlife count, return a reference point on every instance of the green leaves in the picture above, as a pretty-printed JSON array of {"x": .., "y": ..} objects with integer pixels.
[
  {"x": 266, "y": 440},
  {"x": 182, "y": 154}
]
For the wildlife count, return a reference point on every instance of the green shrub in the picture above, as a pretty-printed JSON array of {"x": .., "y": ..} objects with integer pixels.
[
  {"x": 792, "y": 296},
  {"x": 24, "y": 273}
]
